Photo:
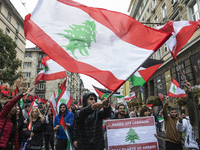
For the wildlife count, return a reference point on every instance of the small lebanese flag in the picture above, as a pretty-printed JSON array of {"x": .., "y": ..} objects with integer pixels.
[
  {"x": 33, "y": 104},
  {"x": 181, "y": 31},
  {"x": 52, "y": 104},
  {"x": 51, "y": 71},
  {"x": 130, "y": 96},
  {"x": 175, "y": 90},
  {"x": 63, "y": 96}
]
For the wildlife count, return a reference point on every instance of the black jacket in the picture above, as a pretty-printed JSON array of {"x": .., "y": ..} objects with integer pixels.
[
  {"x": 38, "y": 129},
  {"x": 88, "y": 127}
]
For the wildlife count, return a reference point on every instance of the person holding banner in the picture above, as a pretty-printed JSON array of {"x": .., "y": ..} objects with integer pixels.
[
  {"x": 173, "y": 137},
  {"x": 89, "y": 122}
]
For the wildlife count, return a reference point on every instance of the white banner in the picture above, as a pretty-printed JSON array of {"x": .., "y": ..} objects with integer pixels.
[{"x": 132, "y": 134}]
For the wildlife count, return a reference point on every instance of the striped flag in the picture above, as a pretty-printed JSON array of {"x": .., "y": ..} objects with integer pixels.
[
  {"x": 51, "y": 71},
  {"x": 105, "y": 45},
  {"x": 130, "y": 96},
  {"x": 149, "y": 106},
  {"x": 21, "y": 102},
  {"x": 113, "y": 107},
  {"x": 162, "y": 99},
  {"x": 52, "y": 104},
  {"x": 175, "y": 90},
  {"x": 63, "y": 96},
  {"x": 33, "y": 104},
  {"x": 160, "y": 119},
  {"x": 126, "y": 106},
  {"x": 63, "y": 125}
]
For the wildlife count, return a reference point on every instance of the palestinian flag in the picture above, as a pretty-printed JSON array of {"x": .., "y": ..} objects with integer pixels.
[
  {"x": 145, "y": 72},
  {"x": 21, "y": 102},
  {"x": 160, "y": 119},
  {"x": 63, "y": 96},
  {"x": 113, "y": 107},
  {"x": 105, "y": 93},
  {"x": 149, "y": 106},
  {"x": 126, "y": 106},
  {"x": 63, "y": 125},
  {"x": 105, "y": 45},
  {"x": 33, "y": 104},
  {"x": 162, "y": 99},
  {"x": 175, "y": 90},
  {"x": 181, "y": 31},
  {"x": 52, "y": 104},
  {"x": 130, "y": 96},
  {"x": 51, "y": 71}
]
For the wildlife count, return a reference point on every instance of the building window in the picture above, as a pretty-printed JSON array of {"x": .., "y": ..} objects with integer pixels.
[
  {"x": 166, "y": 48},
  {"x": 148, "y": 14},
  {"x": 17, "y": 26},
  {"x": 59, "y": 84},
  {"x": 174, "y": 1},
  {"x": 27, "y": 74},
  {"x": 42, "y": 55},
  {"x": 158, "y": 54},
  {"x": 0, "y": 6},
  {"x": 41, "y": 86},
  {"x": 26, "y": 85},
  {"x": 164, "y": 11},
  {"x": 155, "y": 21},
  {"x": 7, "y": 32},
  {"x": 9, "y": 16},
  {"x": 40, "y": 65},
  {"x": 28, "y": 54},
  {"x": 16, "y": 40},
  {"x": 195, "y": 12},
  {"x": 153, "y": 4},
  {"x": 1, "y": 82},
  {"x": 27, "y": 64}
]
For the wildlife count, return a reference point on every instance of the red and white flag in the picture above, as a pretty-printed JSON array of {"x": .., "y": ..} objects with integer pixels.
[
  {"x": 63, "y": 96},
  {"x": 175, "y": 90},
  {"x": 52, "y": 104},
  {"x": 130, "y": 96},
  {"x": 181, "y": 33},
  {"x": 105, "y": 45},
  {"x": 51, "y": 71},
  {"x": 33, "y": 104}
]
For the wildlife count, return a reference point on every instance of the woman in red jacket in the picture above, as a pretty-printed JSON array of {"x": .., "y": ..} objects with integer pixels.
[{"x": 8, "y": 126}]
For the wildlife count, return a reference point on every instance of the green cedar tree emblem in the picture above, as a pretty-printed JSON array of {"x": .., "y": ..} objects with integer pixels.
[
  {"x": 80, "y": 37},
  {"x": 132, "y": 136},
  {"x": 63, "y": 101},
  {"x": 46, "y": 69},
  {"x": 174, "y": 89}
]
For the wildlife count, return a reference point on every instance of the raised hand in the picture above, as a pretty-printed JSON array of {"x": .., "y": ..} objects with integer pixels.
[{"x": 187, "y": 85}]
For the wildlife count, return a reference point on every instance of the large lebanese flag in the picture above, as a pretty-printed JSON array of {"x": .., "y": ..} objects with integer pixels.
[
  {"x": 51, "y": 71},
  {"x": 63, "y": 96},
  {"x": 175, "y": 90},
  {"x": 181, "y": 31},
  {"x": 105, "y": 45}
]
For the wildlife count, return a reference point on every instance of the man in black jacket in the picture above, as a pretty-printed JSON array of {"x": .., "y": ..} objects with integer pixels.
[
  {"x": 121, "y": 113},
  {"x": 89, "y": 132}
]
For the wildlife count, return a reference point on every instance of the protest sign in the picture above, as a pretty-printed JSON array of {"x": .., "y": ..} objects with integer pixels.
[{"x": 132, "y": 134}]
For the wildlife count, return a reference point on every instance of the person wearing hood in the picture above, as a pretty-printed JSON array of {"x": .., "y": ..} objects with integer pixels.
[
  {"x": 61, "y": 143},
  {"x": 89, "y": 123}
]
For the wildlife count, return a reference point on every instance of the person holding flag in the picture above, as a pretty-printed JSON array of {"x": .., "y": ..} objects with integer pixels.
[
  {"x": 173, "y": 137},
  {"x": 89, "y": 122},
  {"x": 63, "y": 125}
]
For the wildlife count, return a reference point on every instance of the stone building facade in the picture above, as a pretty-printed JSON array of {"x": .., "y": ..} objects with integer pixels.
[
  {"x": 12, "y": 25},
  {"x": 33, "y": 65},
  {"x": 188, "y": 59}
]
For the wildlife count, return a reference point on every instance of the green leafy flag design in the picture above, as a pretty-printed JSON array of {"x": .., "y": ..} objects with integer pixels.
[
  {"x": 174, "y": 89},
  {"x": 132, "y": 136},
  {"x": 46, "y": 69},
  {"x": 63, "y": 101},
  {"x": 80, "y": 37}
]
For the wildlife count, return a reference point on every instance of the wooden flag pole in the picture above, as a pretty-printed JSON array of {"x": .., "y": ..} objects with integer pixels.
[{"x": 180, "y": 71}]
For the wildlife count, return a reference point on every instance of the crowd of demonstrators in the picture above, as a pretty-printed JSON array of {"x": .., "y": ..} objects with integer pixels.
[
  {"x": 35, "y": 127},
  {"x": 61, "y": 143},
  {"x": 8, "y": 125},
  {"x": 89, "y": 122},
  {"x": 49, "y": 134},
  {"x": 173, "y": 137}
]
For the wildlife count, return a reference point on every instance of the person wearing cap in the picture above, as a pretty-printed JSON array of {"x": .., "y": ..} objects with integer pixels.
[
  {"x": 89, "y": 123},
  {"x": 62, "y": 140}
]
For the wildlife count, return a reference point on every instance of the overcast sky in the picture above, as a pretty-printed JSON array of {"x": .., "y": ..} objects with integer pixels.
[{"x": 115, "y": 5}]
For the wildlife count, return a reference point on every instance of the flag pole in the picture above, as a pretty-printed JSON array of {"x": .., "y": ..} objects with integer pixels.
[
  {"x": 180, "y": 70},
  {"x": 29, "y": 91}
]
